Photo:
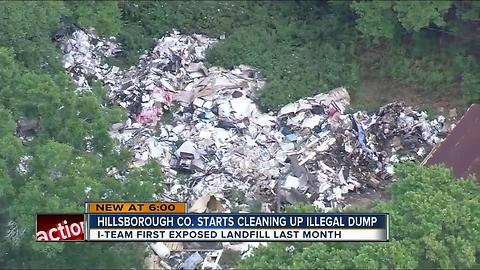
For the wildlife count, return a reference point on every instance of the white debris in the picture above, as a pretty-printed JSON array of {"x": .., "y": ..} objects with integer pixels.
[
  {"x": 231, "y": 152},
  {"x": 160, "y": 249}
]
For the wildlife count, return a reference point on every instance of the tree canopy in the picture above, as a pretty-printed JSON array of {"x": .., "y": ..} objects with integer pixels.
[
  {"x": 434, "y": 223},
  {"x": 65, "y": 163}
]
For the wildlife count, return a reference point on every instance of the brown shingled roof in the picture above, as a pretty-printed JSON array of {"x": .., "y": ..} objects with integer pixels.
[{"x": 460, "y": 151}]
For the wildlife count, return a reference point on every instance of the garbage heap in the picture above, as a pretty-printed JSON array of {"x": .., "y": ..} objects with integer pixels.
[
  {"x": 217, "y": 141},
  {"x": 201, "y": 124},
  {"x": 82, "y": 57}
]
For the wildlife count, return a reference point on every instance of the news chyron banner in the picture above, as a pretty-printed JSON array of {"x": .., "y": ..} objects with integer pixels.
[{"x": 151, "y": 222}]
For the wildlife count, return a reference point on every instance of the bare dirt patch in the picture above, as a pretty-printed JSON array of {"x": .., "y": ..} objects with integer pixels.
[
  {"x": 378, "y": 92},
  {"x": 365, "y": 199}
]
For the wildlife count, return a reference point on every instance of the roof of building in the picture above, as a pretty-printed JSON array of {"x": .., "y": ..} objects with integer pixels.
[{"x": 460, "y": 150}]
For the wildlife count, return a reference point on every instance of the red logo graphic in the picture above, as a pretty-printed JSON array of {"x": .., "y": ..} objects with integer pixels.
[{"x": 60, "y": 227}]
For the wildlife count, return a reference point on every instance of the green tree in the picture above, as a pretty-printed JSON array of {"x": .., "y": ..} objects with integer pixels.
[
  {"x": 415, "y": 15},
  {"x": 65, "y": 163},
  {"x": 27, "y": 26},
  {"x": 104, "y": 16},
  {"x": 379, "y": 18},
  {"x": 78, "y": 120},
  {"x": 468, "y": 10},
  {"x": 435, "y": 223},
  {"x": 61, "y": 179},
  {"x": 375, "y": 18}
]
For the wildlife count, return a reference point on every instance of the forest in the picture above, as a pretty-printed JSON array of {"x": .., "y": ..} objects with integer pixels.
[{"x": 426, "y": 51}]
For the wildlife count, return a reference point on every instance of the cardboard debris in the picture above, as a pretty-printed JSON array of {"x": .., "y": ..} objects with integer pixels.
[{"x": 207, "y": 203}]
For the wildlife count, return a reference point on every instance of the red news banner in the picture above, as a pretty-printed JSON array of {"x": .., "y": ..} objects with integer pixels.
[
  {"x": 72, "y": 227},
  {"x": 60, "y": 227}
]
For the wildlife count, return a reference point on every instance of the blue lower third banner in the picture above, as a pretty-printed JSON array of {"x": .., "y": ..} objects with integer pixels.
[{"x": 238, "y": 227}]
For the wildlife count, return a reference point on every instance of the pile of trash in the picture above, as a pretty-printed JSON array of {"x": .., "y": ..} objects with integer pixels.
[
  {"x": 201, "y": 124},
  {"x": 82, "y": 57},
  {"x": 311, "y": 150},
  {"x": 178, "y": 255}
]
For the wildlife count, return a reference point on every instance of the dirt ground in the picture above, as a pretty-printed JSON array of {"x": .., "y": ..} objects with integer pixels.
[
  {"x": 377, "y": 92},
  {"x": 365, "y": 199}
]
